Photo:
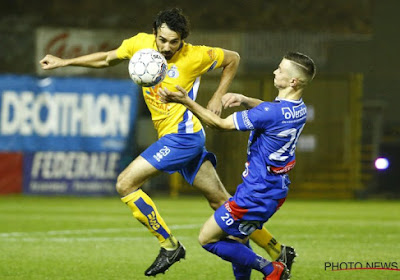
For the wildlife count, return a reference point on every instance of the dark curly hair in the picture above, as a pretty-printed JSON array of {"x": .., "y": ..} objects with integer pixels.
[{"x": 175, "y": 20}]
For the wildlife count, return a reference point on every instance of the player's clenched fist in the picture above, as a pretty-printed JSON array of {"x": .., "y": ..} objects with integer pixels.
[{"x": 51, "y": 62}]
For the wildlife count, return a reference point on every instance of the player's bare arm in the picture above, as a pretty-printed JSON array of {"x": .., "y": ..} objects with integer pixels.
[
  {"x": 206, "y": 116},
  {"x": 94, "y": 60},
  {"x": 229, "y": 65},
  {"x": 230, "y": 100}
]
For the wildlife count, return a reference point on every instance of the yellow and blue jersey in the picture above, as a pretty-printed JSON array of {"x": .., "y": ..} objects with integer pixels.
[{"x": 184, "y": 69}]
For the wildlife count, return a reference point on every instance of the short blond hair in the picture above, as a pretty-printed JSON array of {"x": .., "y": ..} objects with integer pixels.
[{"x": 304, "y": 64}]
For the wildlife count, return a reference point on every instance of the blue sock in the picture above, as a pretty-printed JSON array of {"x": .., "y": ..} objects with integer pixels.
[
  {"x": 267, "y": 270},
  {"x": 242, "y": 272},
  {"x": 238, "y": 253}
]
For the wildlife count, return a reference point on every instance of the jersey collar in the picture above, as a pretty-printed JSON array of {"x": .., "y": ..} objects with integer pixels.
[{"x": 277, "y": 99}]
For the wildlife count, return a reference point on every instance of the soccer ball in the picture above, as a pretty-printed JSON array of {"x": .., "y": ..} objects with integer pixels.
[{"x": 147, "y": 67}]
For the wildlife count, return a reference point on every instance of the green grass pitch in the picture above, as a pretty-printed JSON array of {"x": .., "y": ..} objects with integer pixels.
[{"x": 97, "y": 238}]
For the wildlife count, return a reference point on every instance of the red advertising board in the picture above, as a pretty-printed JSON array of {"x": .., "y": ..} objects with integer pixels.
[{"x": 10, "y": 173}]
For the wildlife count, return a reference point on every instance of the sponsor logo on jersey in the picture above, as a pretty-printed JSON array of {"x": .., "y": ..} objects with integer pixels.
[
  {"x": 284, "y": 169},
  {"x": 294, "y": 112},
  {"x": 153, "y": 99}
]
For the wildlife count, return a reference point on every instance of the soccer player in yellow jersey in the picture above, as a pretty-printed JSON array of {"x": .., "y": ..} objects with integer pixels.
[{"x": 181, "y": 144}]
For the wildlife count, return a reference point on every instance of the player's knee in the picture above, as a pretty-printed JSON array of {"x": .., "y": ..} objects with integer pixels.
[
  {"x": 123, "y": 187},
  {"x": 205, "y": 237},
  {"x": 202, "y": 239},
  {"x": 119, "y": 186}
]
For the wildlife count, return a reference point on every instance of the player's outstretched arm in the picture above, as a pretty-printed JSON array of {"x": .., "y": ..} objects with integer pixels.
[
  {"x": 94, "y": 60},
  {"x": 206, "y": 116},
  {"x": 230, "y": 66},
  {"x": 235, "y": 99}
]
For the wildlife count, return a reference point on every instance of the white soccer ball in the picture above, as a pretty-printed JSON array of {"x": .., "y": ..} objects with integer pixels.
[{"x": 147, "y": 67}]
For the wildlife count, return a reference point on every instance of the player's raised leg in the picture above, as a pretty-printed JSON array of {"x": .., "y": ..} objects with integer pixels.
[
  {"x": 216, "y": 241},
  {"x": 208, "y": 182},
  {"x": 143, "y": 209}
]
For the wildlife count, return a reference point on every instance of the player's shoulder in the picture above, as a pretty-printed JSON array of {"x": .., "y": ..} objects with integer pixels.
[
  {"x": 145, "y": 35},
  {"x": 192, "y": 53},
  {"x": 270, "y": 110},
  {"x": 201, "y": 49},
  {"x": 193, "y": 46},
  {"x": 267, "y": 106},
  {"x": 192, "y": 49}
]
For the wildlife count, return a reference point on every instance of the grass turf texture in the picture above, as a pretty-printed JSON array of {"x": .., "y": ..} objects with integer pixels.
[{"x": 97, "y": 238}]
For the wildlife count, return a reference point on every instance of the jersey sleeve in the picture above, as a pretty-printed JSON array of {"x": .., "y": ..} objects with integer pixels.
[
  {"x": 211, "y": 58},
  {"x": 256, "y": 118}
]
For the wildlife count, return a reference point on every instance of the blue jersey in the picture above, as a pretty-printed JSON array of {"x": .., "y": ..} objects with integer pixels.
[{"x": 275, "y": 128}]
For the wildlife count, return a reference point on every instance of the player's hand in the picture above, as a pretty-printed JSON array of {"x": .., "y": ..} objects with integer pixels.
[
  {"x": 173, "y": 96},
  {"x": 232, "y": 100},
  {"x": 51, "y": 62},
  {"x": 215, "y": 105}
]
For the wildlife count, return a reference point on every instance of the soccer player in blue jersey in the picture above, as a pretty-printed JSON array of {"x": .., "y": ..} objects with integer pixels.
[
  {"x": 180, "y": 147},
  {"x": 275, "y": 128}
]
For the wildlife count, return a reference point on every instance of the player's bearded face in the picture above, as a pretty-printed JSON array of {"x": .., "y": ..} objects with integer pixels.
[{"x": 168, "y": 41}]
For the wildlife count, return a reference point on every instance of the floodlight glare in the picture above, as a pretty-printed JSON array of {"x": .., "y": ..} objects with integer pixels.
[{"x": 381, "y": 163}]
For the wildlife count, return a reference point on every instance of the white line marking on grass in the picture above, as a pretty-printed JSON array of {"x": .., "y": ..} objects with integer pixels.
[
  {"x": 89, "y": 231},
  {"x": 83, "y": 239}
]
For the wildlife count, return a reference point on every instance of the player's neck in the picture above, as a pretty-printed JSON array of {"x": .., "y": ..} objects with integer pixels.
[{"x": 290, "y": 94}]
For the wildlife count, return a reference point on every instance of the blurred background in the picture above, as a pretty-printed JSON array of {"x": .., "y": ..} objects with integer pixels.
[{"x": 71, "y": 131}]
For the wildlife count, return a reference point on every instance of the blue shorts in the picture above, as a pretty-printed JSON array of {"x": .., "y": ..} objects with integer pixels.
[
  {"x": 232, "y": 218},
  {"x": 179, "y": 152}
]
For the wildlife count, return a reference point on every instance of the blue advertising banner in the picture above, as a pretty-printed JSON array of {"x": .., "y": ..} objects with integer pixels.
[
  {"x": 79, "y": 173},
  {"x": 65, "y": 114},
  {"x": 72, "y": 132}
]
